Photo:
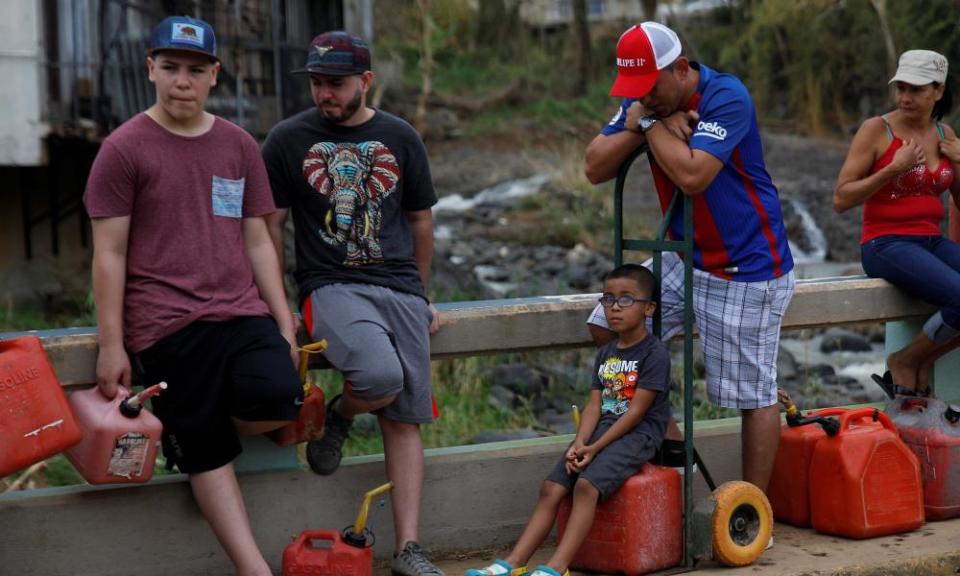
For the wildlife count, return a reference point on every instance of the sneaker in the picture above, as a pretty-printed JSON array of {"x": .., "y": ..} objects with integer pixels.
[
  {"x": 324, "y": 455},
  {"x": 413, "y": 561},
  {"x": 544, "y": 570},
  {"x": 497, "y": 568}
]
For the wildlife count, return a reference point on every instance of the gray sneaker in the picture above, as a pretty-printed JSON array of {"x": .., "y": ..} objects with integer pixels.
[
  {"x": 325, "y": 453},
  {"x": 413, "y": 561}
]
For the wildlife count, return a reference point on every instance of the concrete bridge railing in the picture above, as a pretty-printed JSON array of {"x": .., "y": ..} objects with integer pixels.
[{"x": 474, "y": 496}]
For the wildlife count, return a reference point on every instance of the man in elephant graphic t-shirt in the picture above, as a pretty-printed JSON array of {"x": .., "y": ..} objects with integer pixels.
[{"x": 358, "y": 184}]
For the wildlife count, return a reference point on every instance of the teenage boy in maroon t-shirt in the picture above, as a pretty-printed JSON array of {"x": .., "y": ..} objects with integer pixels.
[{"x": 187, "y": 283}]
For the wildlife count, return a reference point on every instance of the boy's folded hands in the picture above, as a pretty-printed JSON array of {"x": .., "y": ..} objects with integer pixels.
[{"x": 579, "y": 456}]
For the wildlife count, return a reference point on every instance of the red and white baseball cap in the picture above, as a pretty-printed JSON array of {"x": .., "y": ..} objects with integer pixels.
[{"x": 642, "y": 52}]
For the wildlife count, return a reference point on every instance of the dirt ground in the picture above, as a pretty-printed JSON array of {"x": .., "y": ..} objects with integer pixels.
[{"x": 930, "y": 550}]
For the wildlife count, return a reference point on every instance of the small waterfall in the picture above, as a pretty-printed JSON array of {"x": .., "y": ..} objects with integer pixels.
[{"x": 814, "y": 236}]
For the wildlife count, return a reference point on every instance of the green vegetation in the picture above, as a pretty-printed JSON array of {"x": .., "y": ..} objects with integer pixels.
[
  {"x": 77, "y": 312},
  {"x": 821, "y": 66},
  {"x": 462, "y": 388},
  {"x": 813, "y": 66}
]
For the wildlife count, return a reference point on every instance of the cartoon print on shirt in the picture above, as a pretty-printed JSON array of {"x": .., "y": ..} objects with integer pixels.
[
  {"x": 619, "y": 381},
  {"x": 355, "y": 179}
]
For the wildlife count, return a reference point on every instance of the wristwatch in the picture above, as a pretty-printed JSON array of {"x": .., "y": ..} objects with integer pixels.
[{"x": 646, "y": 122}]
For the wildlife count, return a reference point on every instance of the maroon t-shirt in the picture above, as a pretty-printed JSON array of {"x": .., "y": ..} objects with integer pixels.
[{"x": 186, "y": 198}]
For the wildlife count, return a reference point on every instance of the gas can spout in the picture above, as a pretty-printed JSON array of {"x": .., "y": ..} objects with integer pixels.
[
  {"x": 356, "y": 535},
  {"x": 132, "y": 405},
  {"x": 796, "y": 418}
]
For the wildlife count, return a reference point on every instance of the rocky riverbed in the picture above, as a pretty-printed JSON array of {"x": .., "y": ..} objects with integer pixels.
[{"x": 479, "y": 183}]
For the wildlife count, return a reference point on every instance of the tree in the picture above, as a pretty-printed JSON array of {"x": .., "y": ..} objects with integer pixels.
[
  {"x": 498, "y": 27},
  {"x": 880, "y": 7},
  {"x": 649, "y": 9},
  {"x": 426, "y": 66},
  {"x": 581, "y": 33}
]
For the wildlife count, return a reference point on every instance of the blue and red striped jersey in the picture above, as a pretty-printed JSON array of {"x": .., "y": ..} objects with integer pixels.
[{"x": 738, "y": 228}]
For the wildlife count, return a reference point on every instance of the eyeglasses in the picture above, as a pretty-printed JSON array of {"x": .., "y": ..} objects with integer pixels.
[{"x": 623, "y": 301}]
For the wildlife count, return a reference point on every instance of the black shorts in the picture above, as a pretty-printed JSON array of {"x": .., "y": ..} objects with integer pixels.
[
  {"x": 218, "y": 371},
  {"x": 613, "y": 465}
]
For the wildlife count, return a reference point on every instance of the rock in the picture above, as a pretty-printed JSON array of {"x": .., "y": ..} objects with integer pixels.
[
  {"x": 562, "y": 405},
  {"x": 503, "y": 435},
  {"x": 820, "y": 371},
  {"x": 837, "y": 340},
  {"x": 827, "y": 402},
  {"x": 564, "y": 428},
  {"x": 786, "y": 365},
  {"x": 838, "y": 383},
  {"x": 547, "y": 266},
  {"x": 566, "y": 376},
  {"x": 554, "y": 420},
  {"x": 520, "y": 378},
  {"x": 502, "y": 397},
  {"x": 491, "y": 274},
  {"x": 578, "y": 277}
]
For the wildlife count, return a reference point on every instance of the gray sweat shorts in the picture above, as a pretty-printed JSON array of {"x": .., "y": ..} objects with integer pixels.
[
  {"x": 379, "y": 339},
  {"x": 620, "y": 460}
]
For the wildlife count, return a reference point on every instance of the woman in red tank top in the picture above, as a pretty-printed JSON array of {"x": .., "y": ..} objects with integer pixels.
[{"x": 899, "y": 166}]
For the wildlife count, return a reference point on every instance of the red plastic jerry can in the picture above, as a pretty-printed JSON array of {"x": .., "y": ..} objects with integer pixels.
[
  {"x": 309, "y": 425},
  {"x": 324, "y": 552},
  {"x": 931, "y": 429},
  {"x": 35, "y": 420},
  {"x": 865, "y": 482},
  {"x": 638, "y": 529},
  {"x": 119, "y": 445},
  {"x": 789, "y": 486}
]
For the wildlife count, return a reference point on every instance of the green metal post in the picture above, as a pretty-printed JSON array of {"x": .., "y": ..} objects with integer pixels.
[
  {"x": 658, "y": 245},
  {"x": 687, "y": 377}
]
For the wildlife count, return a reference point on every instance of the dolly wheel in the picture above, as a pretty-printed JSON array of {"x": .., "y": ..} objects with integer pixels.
[{"x": 742, "y": 523}]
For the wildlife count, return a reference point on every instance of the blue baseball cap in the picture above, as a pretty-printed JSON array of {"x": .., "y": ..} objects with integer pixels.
[
  {"x": 336, "y": 53},
  {"x": 186, "y": 34}
]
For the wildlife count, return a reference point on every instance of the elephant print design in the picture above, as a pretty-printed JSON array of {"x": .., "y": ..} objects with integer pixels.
[{"x": 355, "y": 179}]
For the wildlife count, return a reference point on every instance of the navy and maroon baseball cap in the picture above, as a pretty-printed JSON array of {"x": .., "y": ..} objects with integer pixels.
[
  {"x": 184, "y": 34},
  {"x": 336, "y": 53}
]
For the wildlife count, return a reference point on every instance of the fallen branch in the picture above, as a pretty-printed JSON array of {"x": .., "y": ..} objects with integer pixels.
[
  {"x": 475, "y": 105},
  {"x": 22, "y": 480}
]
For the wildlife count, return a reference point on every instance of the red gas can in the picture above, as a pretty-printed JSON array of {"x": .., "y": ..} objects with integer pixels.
[
  {"x": 864, "y": 481},
  {"x": 931, "y": 429},
  {"x": 324, "y": 552},
  {"x": 35, "y": 420},
  {"x": 789, "y": 487},
  {"x": 309, "y": 425},
  {"x": 119, "y": 445},
  {"x": 638, "y": 529}
]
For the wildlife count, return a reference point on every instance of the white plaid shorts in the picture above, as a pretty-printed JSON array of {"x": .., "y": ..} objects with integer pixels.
[{"x": 739, "y": 324}]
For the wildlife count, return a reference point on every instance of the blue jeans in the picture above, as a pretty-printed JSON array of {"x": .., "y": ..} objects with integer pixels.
[{"x": 927, "y": 267}]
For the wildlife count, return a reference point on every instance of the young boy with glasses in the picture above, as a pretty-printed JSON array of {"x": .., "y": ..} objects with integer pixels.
[{"x": 623, "y": 424}]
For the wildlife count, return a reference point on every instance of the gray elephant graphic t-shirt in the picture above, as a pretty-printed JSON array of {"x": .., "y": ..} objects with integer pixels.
[{"x": 349, "y": 188}]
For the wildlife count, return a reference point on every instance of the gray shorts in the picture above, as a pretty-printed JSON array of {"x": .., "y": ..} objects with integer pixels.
[
  {"x": 739, "y": 324},
  {"x": 620, "y": 460},
  {"x": 380, "y": 340}
]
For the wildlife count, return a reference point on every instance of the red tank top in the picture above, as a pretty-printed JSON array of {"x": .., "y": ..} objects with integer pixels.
[{"x": 910, "y": 203}]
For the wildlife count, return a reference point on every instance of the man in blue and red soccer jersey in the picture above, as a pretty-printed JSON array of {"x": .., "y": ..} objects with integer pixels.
[{"x": 701, "y": 126}]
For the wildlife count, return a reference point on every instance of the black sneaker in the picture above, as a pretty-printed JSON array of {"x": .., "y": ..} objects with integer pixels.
[
  {"x": 324, "y": 454},
  {"x": 413, "y": 561}
]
